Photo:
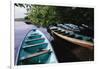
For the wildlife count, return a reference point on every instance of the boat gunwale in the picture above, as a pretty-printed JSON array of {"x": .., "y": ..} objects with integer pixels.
[{"x": 89, "y": 44}]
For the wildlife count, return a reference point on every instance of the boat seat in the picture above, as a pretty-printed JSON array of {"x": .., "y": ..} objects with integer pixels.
[
  {"x": 28, "y": 40},
  {"x": 39, "y": 57},
  {"x": 61, "y": 31},
  {"x": 35, "y": 45},
  {"x": 66, "y": 33},
  {"x": 78, "y": 37},
  {"x": 35, "y": 48},
  {"x": 56, "y": 30},
  {"x": 34, "y": 36},
  {"x": 88, "y": 39},
  {"x": 71, "y": 34},
  {"x": 34, "y": 41}
]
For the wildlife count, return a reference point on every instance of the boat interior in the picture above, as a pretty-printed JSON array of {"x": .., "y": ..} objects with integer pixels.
[{"x": 35, "y": 49}]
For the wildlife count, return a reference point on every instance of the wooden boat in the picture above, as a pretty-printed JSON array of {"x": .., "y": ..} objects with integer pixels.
[
  {"x": 71, "y": 36},
  {"x": 35, "y": 49},
  {"x": 80, "y": 45}
]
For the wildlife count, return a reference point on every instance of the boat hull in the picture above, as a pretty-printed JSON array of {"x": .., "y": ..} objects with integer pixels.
[{"x": 35, "y": 49}]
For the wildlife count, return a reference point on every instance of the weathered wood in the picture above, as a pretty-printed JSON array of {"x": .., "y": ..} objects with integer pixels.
[
  {"x": 75, "y": 41},
  {"x": 34, "y": 39},
  {"x": 33, "y": 45},
  {"x": 35, "y": 54}
]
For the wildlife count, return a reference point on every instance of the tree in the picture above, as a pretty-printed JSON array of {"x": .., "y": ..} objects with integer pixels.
[{"x": 43, "y": 15}]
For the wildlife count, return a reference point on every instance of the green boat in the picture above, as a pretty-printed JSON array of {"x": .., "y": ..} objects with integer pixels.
[{"x": 35, "y": 49}]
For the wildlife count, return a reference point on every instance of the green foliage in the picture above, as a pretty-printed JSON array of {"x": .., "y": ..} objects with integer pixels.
[
  {"x": 43, "y": 15},
  {"x": 46, "y": 15}
]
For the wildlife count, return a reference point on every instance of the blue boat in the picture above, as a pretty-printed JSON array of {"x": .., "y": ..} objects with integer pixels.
[{"x": 35, "y": 49}]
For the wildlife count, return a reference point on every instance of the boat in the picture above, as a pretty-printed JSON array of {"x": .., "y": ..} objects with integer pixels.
[
  {"x": 71, "y": 38},
  {"x": 35, "y": 49},
  {"x": 71, "y": 35}
]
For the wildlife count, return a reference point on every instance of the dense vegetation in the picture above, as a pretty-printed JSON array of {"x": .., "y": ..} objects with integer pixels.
[{"x": 43, "y": 15}]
